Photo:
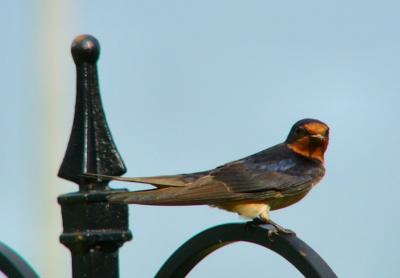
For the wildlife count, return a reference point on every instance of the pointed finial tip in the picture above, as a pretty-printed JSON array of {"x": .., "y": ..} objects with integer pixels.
[{"x": 85, "y": 48}]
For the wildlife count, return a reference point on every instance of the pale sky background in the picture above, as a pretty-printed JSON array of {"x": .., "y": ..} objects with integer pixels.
[{"x": 189, "y": 85}]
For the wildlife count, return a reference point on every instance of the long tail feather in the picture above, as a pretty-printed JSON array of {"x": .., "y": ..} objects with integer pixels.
[
  {"x": 161, "y": 197},
  {"x": 160, "y": 181}
]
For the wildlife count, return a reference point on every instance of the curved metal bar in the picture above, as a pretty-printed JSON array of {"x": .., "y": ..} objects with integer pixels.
[
  {"x": 12, "y": 265},
  {"x": 293, "y": 249}
]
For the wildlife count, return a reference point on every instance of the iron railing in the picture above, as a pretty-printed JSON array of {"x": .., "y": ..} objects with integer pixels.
[
  {"x": 94, "y": 229},
  {"x": 12, "y": 265}
]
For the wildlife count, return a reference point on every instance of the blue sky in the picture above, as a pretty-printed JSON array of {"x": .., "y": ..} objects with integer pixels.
[{"x": 189, "y": 85}]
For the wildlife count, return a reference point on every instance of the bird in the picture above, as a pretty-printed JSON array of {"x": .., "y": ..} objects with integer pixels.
[{"x": 253, "y": 186}]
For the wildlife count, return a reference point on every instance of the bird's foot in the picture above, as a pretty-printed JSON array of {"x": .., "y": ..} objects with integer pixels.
[
  {"x": 281, "y": 230},
  {"x": 278, "y": 229}
]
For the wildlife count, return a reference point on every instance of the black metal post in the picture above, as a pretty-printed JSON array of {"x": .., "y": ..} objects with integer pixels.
[{"x": 94, "y": 230}]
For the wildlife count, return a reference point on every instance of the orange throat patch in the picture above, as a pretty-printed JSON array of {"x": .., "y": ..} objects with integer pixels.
[{"x": 304, "y": 147}]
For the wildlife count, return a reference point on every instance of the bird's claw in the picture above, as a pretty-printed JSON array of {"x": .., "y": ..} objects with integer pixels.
[{"x": 277, "y": 229}]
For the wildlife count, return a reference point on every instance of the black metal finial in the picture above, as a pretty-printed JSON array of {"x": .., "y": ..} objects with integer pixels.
[
  {"x": 91, "y": 148},
  {"x": 85, "y": 48},
  {"x": 94, "y": 230}
]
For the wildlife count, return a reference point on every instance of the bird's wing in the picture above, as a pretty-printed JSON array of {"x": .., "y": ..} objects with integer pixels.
[
  {"x": 202, "y": 193},
  {"x": 212, "y": 190},
  {"x": 257, "y": 177},
  {"x": 240, "y": 178},
  {"x": 236, "y": 174},
  {"x": 231, "y": 182}
]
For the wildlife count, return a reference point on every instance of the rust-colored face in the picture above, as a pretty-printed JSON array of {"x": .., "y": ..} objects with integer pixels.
[{"x": 309, "y": 138}]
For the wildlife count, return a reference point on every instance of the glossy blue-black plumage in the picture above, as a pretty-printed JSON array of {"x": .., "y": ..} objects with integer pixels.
[{"x": 272, "y": 173}]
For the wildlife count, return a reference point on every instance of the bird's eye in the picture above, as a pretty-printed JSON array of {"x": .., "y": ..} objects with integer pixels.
[{"x": 300, "y": 131}]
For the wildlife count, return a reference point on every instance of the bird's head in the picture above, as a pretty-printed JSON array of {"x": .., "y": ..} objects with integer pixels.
[{"x": 309, "y": 138}]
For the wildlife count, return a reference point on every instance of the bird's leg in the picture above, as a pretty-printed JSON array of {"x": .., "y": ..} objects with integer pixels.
[{"x": 264, "y": 216}]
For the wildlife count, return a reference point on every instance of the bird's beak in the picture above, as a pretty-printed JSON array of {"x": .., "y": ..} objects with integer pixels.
[
  {"x": 318, "y": 136},
  {"x": 317, "y": 139}
]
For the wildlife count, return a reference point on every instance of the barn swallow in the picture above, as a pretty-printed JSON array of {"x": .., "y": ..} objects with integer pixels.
[{"x": 253, "y": 186}]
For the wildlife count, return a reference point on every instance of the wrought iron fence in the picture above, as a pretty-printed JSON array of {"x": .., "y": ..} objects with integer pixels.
[{"x": 94, "y": 229}]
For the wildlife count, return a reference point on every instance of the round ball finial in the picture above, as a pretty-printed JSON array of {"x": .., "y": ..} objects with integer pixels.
[{"x": 85, "y": 48}]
